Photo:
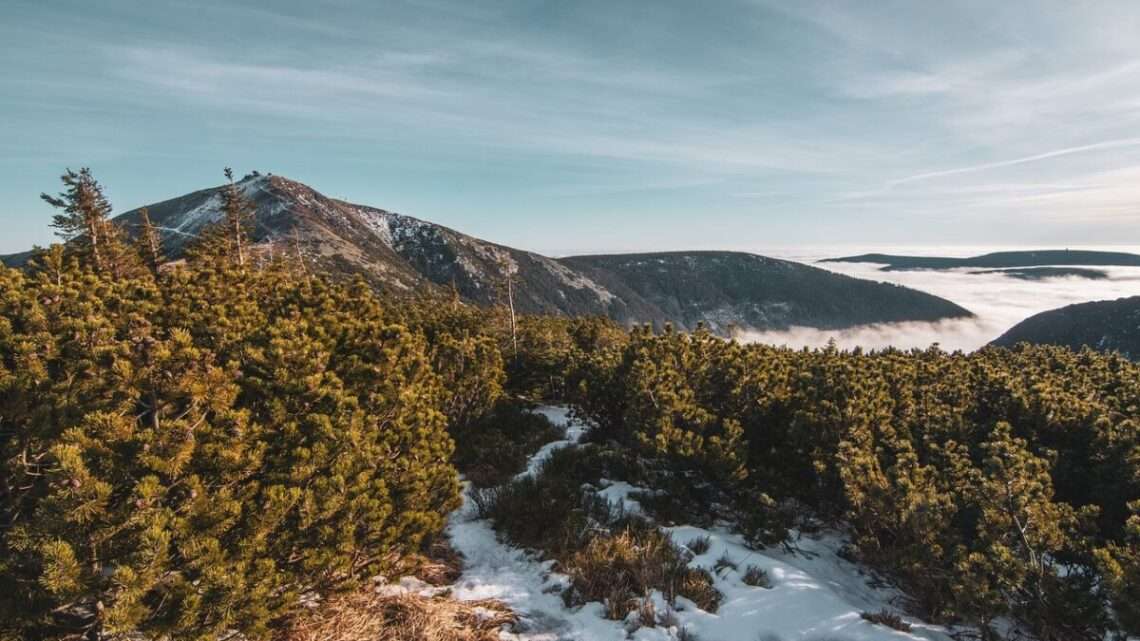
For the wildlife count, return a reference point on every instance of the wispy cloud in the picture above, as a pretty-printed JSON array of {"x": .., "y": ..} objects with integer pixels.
[
  {"x": 1047, "y": 155},
  {"x": 795, "y": 120},
  {"x": 542, "y": 101}
]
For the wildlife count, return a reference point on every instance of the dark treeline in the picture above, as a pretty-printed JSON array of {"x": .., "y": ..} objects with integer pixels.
[{"x": 189, "y": 448}]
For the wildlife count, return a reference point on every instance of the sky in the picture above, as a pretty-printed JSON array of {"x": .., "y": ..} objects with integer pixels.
[{"x": 570, "y": 126}]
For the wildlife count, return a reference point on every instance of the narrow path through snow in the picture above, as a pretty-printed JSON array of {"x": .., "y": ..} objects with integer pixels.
[
  {"x": 814, "y": 595},
  {"x": 495, "y": 570}
]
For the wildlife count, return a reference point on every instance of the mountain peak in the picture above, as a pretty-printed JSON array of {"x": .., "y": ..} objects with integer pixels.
[{"x": 723, "y": 290}]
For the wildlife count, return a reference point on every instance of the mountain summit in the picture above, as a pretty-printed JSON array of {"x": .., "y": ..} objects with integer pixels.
[{"x": 724, "y": 290}]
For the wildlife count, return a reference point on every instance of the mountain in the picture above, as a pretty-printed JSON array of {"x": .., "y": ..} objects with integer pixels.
[
  {"x": 997, "y": 260},
  {"x": 401, "y": 253},
  {"x": 723, "y": 289},
  {"x": 1108, "y": 325}
]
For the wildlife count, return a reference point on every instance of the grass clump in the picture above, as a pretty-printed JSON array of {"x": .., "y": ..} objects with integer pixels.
[
  {"x": 757, "y": 577},
  {"x": 699, "y": 545},
  {"x": 725, "y": 562},
  {"x": 697, "y": 586},
  {"x": 887, "y": 618},
  {"x": 621, "y": 569}
]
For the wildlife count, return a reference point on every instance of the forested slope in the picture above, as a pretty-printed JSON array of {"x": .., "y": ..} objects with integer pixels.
[{"x": 1109, "y": 325}]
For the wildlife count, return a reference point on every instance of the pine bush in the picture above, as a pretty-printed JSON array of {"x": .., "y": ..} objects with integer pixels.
[{"x": 188, "y": 455}]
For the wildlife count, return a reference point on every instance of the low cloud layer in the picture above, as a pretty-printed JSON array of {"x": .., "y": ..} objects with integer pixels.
[{"x": 998, "y": 301}]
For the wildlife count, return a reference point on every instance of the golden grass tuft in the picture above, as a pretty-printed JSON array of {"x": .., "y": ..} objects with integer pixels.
[
  {"x": 368, "y": 616},
  {"x": 621, "y": 569}
]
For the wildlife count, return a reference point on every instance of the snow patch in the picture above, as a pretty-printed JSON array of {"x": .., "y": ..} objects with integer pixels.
[
  {"x": 210, "y": 210},
  {"x": 577, "y": 280},
  {"x": 379, "y": 223},
  {"x": 494, "y": 570},
  {"x": 814, "y": 594}
]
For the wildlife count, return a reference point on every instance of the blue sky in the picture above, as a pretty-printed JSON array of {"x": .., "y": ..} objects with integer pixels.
[{"x": 572, "y": 126}]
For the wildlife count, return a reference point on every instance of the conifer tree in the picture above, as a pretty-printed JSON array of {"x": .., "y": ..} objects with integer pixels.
[
  {"x": 238, "y": 212},
  {"x": 1119, "y": 564},
  {"x": 84, "y": 212},
  {"x": 150, "y": 242},
  {"x": 226, "y": 239}
]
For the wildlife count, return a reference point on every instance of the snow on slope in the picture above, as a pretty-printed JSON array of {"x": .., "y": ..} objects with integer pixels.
[
  {"x": 495, "y": 570},
  {"x": 814, "y": 595}
]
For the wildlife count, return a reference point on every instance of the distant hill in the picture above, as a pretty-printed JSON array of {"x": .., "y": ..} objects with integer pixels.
[
  {"x": 997, "y": 260},
  {"x": 404, "y": 254},
  {"x": 1045, "y": 273},
  {"x": 730, "y": 288},
  {"x": 1110, "y": 325}
]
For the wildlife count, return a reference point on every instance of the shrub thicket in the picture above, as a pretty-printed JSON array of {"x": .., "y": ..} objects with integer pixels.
[
  {"x": 497, "y": 447},
  {"x": 610, "y": 556},
  {"x": 186, "y": 451},
  {"x": 999, "y": 483}
]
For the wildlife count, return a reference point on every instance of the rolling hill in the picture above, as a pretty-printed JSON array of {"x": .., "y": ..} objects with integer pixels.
[
  {"x": 1108, "y": 325},
  {"x": 1001, "y": 260}
]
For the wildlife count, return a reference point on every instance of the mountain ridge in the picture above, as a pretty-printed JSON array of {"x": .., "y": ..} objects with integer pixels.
[
  {"x": 996, "y": 260},
  {"x": 722, "y": 290}
]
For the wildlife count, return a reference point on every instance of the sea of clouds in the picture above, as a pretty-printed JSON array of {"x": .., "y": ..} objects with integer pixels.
[{"x": 998, "y": 301}]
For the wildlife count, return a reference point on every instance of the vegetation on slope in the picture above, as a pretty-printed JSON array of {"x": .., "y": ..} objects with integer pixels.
[
  {"x": 1045, "y": 273},
  {"x": 723, "y": 290},
  {"x": 1108, "y": 325},
  {"x": 1004, "y": 483},
  {"x": 188, "y": 450},
  {"x": 399, "y": 254}
]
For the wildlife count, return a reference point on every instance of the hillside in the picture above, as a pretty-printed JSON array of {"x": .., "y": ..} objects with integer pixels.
[
  {"x": 1045, "y": 273},
  {"x": 997, "y": 260},
  {"x": 732, "y": 288},
  {"x": 1110, "y": 325},
  {"x": 402, "y": 253}
]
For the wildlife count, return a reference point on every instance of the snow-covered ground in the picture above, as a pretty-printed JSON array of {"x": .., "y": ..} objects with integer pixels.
[{"x": 814, "y": 594}]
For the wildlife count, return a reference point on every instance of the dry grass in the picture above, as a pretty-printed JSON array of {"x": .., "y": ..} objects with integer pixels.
[
  {"x": 887, "y": 618},
  {"x": 696, "y": 585},
  {"x": 622, "y": 569},
  {"x": 368, "y": 616},
  {"x": 757, "y": 577},
  {"x": 725, "y": 562},
  {"x": 438, "y": 565}
]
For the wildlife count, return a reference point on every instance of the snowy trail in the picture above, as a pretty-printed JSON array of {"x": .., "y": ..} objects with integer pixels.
[
  {"x": 494, "y": 570},
  {"x": 814, "y": 595}
]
